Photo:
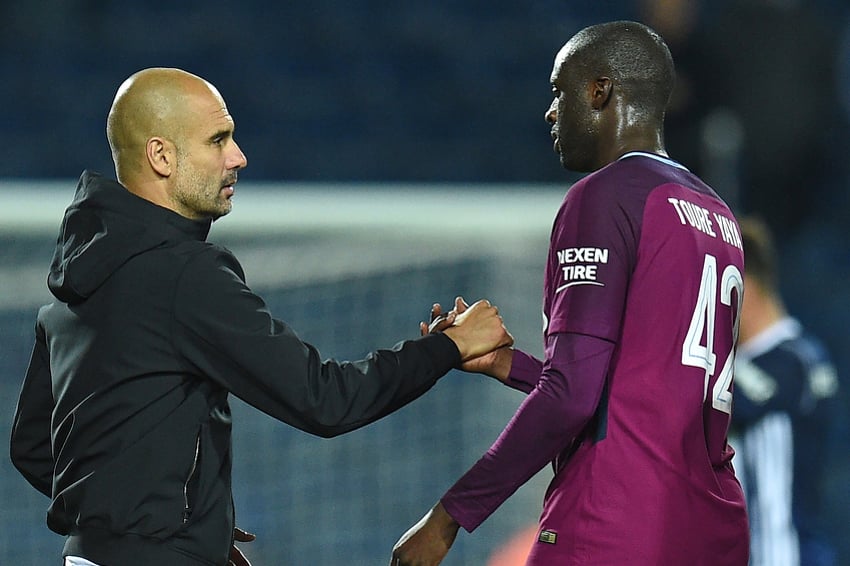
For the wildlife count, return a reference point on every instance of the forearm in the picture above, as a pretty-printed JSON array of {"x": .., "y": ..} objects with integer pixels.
[
  {"x": 290, "y": 381},
  {"x": 518, "y": 454},
  {"x": 228, "y": 335},
  {"x": 385, "y": 381},
  {"x": 548, "y": 420}
]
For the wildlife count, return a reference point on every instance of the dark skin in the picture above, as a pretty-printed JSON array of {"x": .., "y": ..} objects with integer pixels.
[
  {"x": 593, "y": 124},
  {"x": 495, "y": 364}
]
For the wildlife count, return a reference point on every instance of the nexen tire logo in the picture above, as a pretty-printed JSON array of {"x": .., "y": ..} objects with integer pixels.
[{"x": 579, "y": 266}]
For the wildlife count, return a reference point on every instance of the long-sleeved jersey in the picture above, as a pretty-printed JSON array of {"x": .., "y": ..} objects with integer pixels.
[{"x": 642, "y": 295}]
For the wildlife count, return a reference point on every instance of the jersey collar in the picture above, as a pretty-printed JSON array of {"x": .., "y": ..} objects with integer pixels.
[{"x": 654, "y": 156}]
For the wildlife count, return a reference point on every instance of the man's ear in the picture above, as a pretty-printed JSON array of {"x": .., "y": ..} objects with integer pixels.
[
  {"x": 161, "y": 156},
  {"x": 600, "y": 92}
]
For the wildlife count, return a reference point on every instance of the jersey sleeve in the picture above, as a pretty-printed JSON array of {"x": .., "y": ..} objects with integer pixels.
[
  {"x": 591, "y": 257},
  {"x": 545, "y": 424},
  {"x": 525, "y": 372}
]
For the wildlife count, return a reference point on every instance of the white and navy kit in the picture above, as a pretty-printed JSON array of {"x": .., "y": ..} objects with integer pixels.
[{"x": 785, "y": 402}]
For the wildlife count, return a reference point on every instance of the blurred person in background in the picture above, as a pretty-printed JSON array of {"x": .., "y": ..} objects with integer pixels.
[
  {"x": 642, "y": 292},
  {"x": 699, "y": 124},
  {"x": 771, "y": 70},
  {"x": 123, "y": 418},
  {"x": 786, "y": 418},
  {"x": 753, "y": 111}
]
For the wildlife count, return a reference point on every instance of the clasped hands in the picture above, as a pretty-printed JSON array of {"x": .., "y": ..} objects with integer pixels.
[
  {"x": 479, "y": 333},
  {"x": 485, "y": 347}
]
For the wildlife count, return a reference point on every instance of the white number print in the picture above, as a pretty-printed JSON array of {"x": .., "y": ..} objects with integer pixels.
[{"x": 697, "y": 354}]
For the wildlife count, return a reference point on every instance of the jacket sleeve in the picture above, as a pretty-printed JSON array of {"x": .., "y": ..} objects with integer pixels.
[
  {"x": 30, "y": 446},
  {"x": 226, "y": 332}
]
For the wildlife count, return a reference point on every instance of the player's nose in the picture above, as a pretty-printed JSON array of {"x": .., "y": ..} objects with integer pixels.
[{"x": 552, "y": 112}]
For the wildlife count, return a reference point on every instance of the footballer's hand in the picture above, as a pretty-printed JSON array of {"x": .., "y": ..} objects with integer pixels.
[
  {"x": 439, "y": 320},
  {"x": 236, "y": 556},
  {"x": 495, "y": 364},
  {"x": 427, "y": 542}
]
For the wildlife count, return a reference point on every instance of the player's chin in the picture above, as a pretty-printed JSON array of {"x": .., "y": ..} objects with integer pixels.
[{"x": 576, "y": 162}]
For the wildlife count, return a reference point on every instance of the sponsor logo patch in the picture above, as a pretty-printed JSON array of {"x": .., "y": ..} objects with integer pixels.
[
  {"x": 579, "y": 266},
  {"x": 548, "y": 537}
]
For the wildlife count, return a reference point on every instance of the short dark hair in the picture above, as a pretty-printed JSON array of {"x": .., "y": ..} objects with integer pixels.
[
  {"x": 760, "y": 259},
  {"x": 635, "y": 56}
]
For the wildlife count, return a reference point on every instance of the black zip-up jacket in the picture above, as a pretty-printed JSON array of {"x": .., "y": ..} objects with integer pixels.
[{"x": 123, "y": 418}]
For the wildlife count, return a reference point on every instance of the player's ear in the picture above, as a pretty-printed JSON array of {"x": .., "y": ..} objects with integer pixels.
[{"x": 600, "y": 92}]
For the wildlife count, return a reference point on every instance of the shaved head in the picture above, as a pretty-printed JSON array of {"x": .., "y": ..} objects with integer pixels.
[
  {"x": 632, "y": 54},
  {"x": 151, "y": 103},
  {"x": 171, "y": 137},
  {"x": 611, "y": 84}
]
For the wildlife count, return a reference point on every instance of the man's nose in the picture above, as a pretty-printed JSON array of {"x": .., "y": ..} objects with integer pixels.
[
  {"x": 552, "y": 113},
  {"x": 237, "y": 159}
]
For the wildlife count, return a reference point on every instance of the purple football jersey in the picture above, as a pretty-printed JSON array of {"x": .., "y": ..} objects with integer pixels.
[{"x": 646, "y": 255}]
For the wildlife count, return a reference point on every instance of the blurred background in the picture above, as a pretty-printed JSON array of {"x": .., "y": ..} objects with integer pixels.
[{"x": 340, "y": 105}]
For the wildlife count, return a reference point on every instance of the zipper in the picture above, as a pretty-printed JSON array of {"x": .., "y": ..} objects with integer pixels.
[{"x": 187, "y": 509}]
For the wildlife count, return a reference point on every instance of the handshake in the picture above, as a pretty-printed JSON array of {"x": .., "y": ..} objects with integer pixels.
[{"x": 479, "y": 334}]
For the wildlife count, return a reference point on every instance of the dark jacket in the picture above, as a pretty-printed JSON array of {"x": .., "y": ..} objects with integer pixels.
[{"x": 123, "y": 418}]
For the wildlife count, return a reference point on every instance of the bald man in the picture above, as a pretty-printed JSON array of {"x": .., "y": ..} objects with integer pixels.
[
  {"x": 642, "y": 293},
  {"x": 123, "y": 417},
  {"x": 162, "y": 118}
]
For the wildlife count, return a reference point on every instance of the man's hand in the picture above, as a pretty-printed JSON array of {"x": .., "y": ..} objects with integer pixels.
[
  {"x": 439, "y": 320},
  {"x": 427, "y": 542},
  {"x": 236, "y": 556},
  {"x": 496, "y": 363}
]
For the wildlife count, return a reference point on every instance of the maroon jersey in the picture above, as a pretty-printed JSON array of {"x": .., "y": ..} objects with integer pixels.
[{"x": 645, "y": 256}]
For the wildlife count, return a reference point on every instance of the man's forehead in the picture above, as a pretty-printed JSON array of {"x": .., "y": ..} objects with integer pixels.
[
  {"x": 210, "y": 107},
  {"x": 221, "y": 114},
  {"x": 579, "y": 42},
  {"x": 566, "y": 51},
  {"x": 219, "y": 122}
]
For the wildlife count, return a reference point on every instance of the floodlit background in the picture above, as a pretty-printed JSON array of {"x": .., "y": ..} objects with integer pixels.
[{"x": 398, "y": 156}]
